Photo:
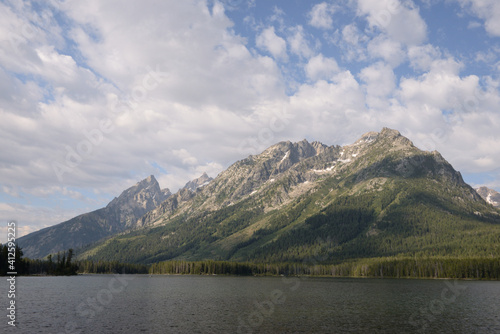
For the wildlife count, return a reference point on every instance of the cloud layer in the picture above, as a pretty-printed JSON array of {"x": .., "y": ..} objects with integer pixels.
[{"x": 98, "y": 95}]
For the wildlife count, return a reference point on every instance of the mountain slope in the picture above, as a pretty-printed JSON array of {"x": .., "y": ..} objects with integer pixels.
[
  {"x": 120, "y": 214},
  {"x": 199, "y": 182},
  {"x": 489, "y": 195},
  {"x": 380, "y": 196}
]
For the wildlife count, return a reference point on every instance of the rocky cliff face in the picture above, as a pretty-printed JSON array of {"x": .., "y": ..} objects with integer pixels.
[
  {"x": 198, "y": 183},
  {"x": 377, "y": 191},
  {"x": 136, "y": 201},
  {"x": 490, "y": 196},
  {"x": 379, "y": 196},
  {"x": 120, "y": 214},
  {"x": 287, "y": 170}
]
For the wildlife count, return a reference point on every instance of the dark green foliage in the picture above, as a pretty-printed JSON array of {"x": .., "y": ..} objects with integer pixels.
[
  {"x": 201, "y": 268},
  {"x": 404, "y": 218},
  {"x": 179, "y": 237},
  {"x": 386, "y": 205},
  {"x": 418, "y": 267},
  {"x": 111, "y": 267},
  {"x": 401, "y": 218},
  {"x": 427, "y": 267},
  {"x": 62, "y": 266},
  {"x": 12, "y": 261}
]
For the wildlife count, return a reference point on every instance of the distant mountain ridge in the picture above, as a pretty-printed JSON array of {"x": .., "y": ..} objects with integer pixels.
[
  {"x": 119, "y": 215},
  {"x": 203, "y": 180},
  {"x": 489, "y": 195},
  {"x": 380, "y": 196}
]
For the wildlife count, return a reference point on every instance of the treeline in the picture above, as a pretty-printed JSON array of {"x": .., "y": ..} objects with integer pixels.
[
  {"x": 110, "y": 267},
  {"x": 432, "y": 267},
  {"x": 383, "y": 267},
  {"x": 11, "y": 260},
  {"x": 208, "y": 267},
  {"x": 58, "y": 265},
  {"x": 63, "y": 265}
]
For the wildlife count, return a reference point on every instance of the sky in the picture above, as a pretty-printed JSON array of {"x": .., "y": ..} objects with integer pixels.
[{"x": 97, "y": 95}]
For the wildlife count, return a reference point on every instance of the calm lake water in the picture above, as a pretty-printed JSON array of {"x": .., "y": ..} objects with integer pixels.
[{"x": 217, "y": 304}]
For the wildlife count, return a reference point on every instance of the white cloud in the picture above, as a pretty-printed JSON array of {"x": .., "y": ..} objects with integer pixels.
[
  {"x": 354, "y": 43},
  {"x": 186, "y": 157},
  {"x": 473, "y": 25},
  {"x": 178, "y": 86},
  {"x": 401, "y": 22},
  {"x": 320, "y": 15},
  {"x": 299, "y": 43},
  {"x": 441, "y": 87},
  {"x": 323, "y": 106},
  {"x": 422, "y": 57},
  {"x": 30, "y": 218},
  {"x": 452, "y": 114},
  {"x": 380, "y": 82},
  {"x": 201, "y": 57},
  {"x": 352, "y": 35},
  {"x": 186, "y": 83},
  {"x": 321, "y": 68},
  {"x": 269, "y": 41},
  {"x": 487, "y": 10},
  {"x": 389, "y": 50}
]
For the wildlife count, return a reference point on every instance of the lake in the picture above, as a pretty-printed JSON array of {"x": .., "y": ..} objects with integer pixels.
[{"x": 220, "y": 304}]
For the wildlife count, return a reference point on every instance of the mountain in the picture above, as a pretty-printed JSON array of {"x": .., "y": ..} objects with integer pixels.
[
  {"x": 489, "y": 195},
  {"x": 378, "y": 197},
  {"x": 119, "y": 215},
  {"x": 199, "y": 182}
]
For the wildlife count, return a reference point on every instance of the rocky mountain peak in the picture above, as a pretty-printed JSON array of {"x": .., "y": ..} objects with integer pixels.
[
  {"x": 278, "y": 177},
  {"x": 119, "y": 215},
  {"x": 203, "y": 180},
  {"x": 137, "y": 200},
  {"x": 270, "y": 204},
  {"x": 166, "y": 192},
  {"x": 302, "y": 150},
  {"x": 489, "y": 195},
  {"x": 367, "y": 137},
  {"x": 394, "y": 138},
  {"x": 143, "y": 192}
]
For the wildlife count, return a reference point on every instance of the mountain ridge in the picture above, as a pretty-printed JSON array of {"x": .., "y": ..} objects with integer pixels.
[
  {"x": 275, "y": 205},
  {"x": 490, "y": 196},
  {"x": 119, "y": 215}
]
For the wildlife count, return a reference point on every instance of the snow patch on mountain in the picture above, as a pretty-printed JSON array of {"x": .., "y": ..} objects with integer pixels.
[{"x": 286, "y": 156}]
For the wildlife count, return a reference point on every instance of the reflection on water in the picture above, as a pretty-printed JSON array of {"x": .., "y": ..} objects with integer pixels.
[{"x": 216, "y": 304}]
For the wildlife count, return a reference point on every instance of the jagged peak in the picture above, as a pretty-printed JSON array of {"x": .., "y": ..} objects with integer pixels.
[
  {"x": 489, "y": 195},
  {"x": 147, "y": 184},
  {"x": 394, "y": 138},
  {"x": 149, "y": 180},
  {"x": 282, "y": 145},
  {"x": 203, "y": 180},
  {"x": 371, "y": 135},
  {"x": 388, "y": 132}
]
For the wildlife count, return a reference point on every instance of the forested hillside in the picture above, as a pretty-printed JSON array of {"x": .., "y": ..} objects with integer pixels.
[{"x": 379, "y": 197}]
